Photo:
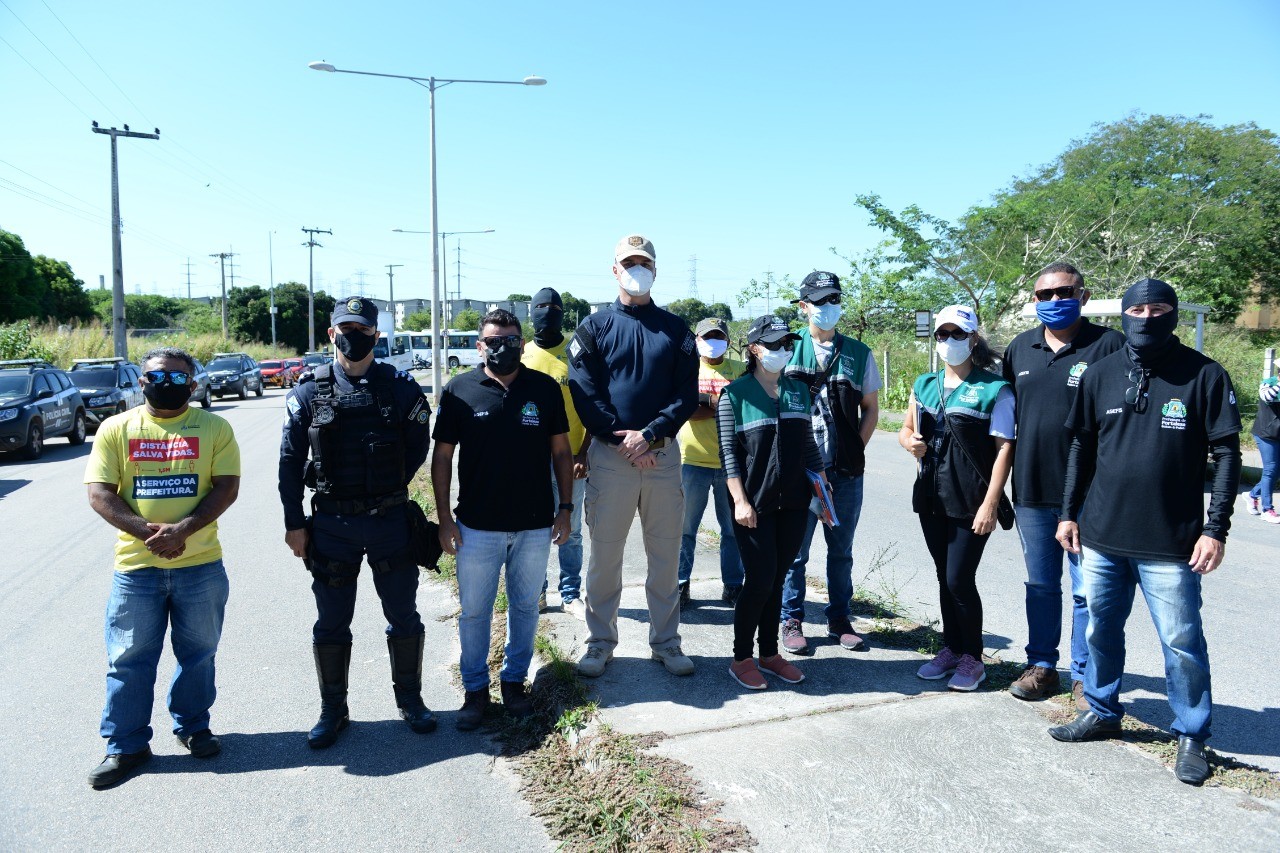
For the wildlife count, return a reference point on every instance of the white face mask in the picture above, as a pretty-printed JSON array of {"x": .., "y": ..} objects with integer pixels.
[
  {"x": 774, "y": 360},
  {"x": 825, "y": 317},
  {"x": 636, "y": 280},
  {"x": 953, "y": 352},
  {"x": 712, "y": 347}
]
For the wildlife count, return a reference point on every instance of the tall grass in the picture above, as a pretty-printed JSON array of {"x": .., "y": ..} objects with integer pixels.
[{"x": 63, "y": 344}]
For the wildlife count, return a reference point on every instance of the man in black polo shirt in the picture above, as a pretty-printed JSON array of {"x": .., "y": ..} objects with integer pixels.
[
  {"x": 1045, "y": 365},
  {"x": 511, "y": 423},
  {"x": 1143, "y": 422}
]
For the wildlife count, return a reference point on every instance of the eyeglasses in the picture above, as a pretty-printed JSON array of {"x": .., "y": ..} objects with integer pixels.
[
  {"x": 1136, "y": 396},
  {"x": 1067, "y": 291},
  {"x": 833, "y": 299},
  {"x": 176, "y": 377},
  {"x": 498, "y": 341},
  {"x": 954, "y": 334},
  {"x": 774, "y": 346}
]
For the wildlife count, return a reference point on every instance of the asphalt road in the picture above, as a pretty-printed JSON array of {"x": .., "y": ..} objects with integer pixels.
[{"x": 381, "y": 787}]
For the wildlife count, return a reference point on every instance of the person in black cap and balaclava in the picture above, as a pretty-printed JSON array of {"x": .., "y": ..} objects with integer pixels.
[
  {"x": 546, "y": 354},
  {"x": 365, "y": 427},
  {"x": 1143, "y": 423}
]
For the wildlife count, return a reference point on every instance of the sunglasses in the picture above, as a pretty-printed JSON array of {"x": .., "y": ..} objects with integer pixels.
[
  {"x": 774, "y": 346},
  {"x": 498, "y": 341},
  {"x": 1067, "y": 291},
  {"x": 954, "y": 334},
  {"x": 1136, "y": 396},
  {"x": 175, "y": 377},
  {"x": 833, "y": 299}
]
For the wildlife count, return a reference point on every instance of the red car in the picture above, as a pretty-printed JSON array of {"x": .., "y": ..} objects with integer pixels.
[
  {"x": 296, "y": 366},
  {"x": 276, "y": 373}
]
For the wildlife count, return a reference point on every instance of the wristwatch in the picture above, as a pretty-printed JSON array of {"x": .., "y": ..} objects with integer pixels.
[
  {"x": 648, "y": 435},
  {"x": 566, "y": 507}
]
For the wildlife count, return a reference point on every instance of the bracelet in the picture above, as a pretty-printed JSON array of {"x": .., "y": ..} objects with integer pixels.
[{"x": 566, "y": 507}]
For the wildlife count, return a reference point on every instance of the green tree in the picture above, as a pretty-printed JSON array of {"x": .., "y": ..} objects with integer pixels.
[
  {"x": 689, "y": 310},
  {"x": 467, "y": 320},
  {"x": 66, "y": 292},
  {"x": 775, "y": 293},
  {"x": 519, "y": 297},
  {"x": 291, "y": 321},
  {"x": 721, "y": 310},
  {"x": 249, "y": 314},
  {"x": 23, "y": 293},
  {"x": 417, "y": 321},
  {"x": 575, "y": 310},
  {"x": 201, "y": 319}
]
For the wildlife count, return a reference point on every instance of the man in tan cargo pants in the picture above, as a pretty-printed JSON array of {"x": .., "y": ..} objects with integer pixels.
[{"x": 633, "y": 374}]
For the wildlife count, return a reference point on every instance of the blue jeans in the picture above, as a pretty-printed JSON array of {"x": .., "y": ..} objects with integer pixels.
[
  {"x": 847, "y": 495},
  {"x": 1172, "y": 591},
  {"x": 1037, "y": 527},
  {"x": 481, "y": 557},
  {"x": 143, "y": 603},
  {"x": 696, "y": 480},
  {"x": 570, "y": 553},
  {"x": 1270, "y": 450}
]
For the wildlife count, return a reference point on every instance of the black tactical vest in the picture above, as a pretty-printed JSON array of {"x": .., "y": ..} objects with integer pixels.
[{"x": 357, "y": 439}]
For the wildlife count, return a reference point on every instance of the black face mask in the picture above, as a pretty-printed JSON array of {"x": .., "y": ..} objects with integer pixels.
[
  {"x": 548, "y": 322},
  {"x": 166, "y": 396},
  {"x": 355, "y": 345},
  {"x": 503, "y": 361},
  {"x": 1149, "y": 338}
]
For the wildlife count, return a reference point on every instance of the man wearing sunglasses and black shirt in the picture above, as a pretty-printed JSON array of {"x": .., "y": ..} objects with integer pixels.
[
  {"x": 1045, "y": 365},
  {"x": 1143, "y": 423}
]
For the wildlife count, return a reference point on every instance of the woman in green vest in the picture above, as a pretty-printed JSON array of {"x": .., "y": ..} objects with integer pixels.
[
  {"x": 960, "y": 426},
  {"x": 766, "y": 443}
]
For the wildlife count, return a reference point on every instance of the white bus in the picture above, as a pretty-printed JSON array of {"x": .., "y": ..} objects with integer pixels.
[
  {"x": 392, "y": 347},
  {"x": 458, "y": 349}
]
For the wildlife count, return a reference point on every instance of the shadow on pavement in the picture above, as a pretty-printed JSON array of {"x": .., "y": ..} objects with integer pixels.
[{"x": 1238, "y": 730}]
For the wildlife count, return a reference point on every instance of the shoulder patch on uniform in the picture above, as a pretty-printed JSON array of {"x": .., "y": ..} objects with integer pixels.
[
  {"x": 420, "y": 412},
  {"x": 404, "y": 374},
  {"x": 291, "y": 403},
  {"x": 687, "y": 346},
  {"x": 575, "y": 348}
]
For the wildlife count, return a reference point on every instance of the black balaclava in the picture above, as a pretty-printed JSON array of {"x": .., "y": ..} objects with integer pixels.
[
  {"x": 1149, "y": 339},
  {"x": 547, "y": 322}
]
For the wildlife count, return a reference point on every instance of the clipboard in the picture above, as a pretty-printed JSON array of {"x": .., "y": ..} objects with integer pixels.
[{"x": 823, "y": 504}]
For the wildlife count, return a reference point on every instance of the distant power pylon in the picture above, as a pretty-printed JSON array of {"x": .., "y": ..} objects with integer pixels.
[{"x": 693, "y": 276}]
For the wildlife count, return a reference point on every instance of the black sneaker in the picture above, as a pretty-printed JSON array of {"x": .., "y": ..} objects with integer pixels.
[
  {"x": 684, "y": 594},
  {"x": 731, "y": 592},
  {"x": 202, "y": 744},
  {"x": 116, "y": 767}
]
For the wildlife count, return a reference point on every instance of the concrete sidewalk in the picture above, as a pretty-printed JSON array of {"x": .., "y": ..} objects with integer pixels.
[{"x": 865, "y": 756}]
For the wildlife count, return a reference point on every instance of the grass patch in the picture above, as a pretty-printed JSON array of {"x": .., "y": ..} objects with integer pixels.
[{"x": 711, "y": 536}]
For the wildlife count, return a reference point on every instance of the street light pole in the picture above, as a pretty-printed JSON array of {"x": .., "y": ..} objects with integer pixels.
[
  {"x": 431, "y": 84},
  {"x": 271, "y": 267},
  {"x": 391, "y": 291},
  {"x": 444, "y": 241}
]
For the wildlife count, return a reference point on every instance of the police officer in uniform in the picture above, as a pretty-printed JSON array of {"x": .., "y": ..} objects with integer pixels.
[{"x": 365, "y": 427}]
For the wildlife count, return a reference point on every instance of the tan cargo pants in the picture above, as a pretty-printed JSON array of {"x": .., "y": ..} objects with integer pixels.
[{"x": 615, "y": 490}]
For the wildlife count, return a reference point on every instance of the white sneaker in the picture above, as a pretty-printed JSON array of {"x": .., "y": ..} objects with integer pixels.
[
  {"x": 1271, "y": 517},
  {"x": 1253, "y": 505},
  {"x": 577, "y": 609},
  {"x": 592, "y": 663},
  {"x": 674, "y": 660}
]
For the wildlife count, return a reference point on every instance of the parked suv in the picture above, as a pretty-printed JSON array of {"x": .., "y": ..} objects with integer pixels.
[
  {"x": 108, "y": 386},
  {"x": 37, "y": 401},
  {"x": 200, "y": 385},
  {"x": 234, "y": 373}
]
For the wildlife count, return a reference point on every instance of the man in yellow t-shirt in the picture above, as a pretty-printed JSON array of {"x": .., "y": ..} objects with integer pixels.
[
  {"x": 700, "y": 455},
  {"x": 546, "y": 354},
  {"x": 162, "y": 474}
]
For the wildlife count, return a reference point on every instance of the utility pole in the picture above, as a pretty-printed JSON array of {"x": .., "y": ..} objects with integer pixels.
[
  {"x": 188, "y": 279},
  {"x": 118, "y": 331},
  {"x": 311, "y": 283},
  {"x": 271, "y": 273},
  {"x": 222, "y": 260},
  {"x": 457, "y": 262},
  {"x": 693, "y": 276},
  {"x": 391, "y": 289}
]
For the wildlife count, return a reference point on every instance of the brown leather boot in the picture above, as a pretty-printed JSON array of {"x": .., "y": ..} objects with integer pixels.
[
  {"x": 474, "y": 704},
  {"x": 1036, "y": 682},
  {"x": 1077, "y": 694}
]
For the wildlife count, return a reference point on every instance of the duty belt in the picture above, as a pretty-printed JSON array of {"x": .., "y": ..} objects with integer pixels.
[{"x": 360, "y": 506}]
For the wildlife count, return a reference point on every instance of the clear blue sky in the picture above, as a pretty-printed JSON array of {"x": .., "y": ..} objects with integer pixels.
[{"x": 736, "y": 132}]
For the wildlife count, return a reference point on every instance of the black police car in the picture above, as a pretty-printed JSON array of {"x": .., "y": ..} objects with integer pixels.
[
  {"x": 108, "y": 386},
  {"x": 37, "y": 401},
  {"x": 234, "y": 373}
]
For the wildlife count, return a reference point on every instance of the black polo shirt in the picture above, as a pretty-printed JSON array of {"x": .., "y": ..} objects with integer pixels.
[
  {"x": 1044, "y": 383},
  {"x": 504, "y": 456},
  {"x": 1146, "y": 499}
]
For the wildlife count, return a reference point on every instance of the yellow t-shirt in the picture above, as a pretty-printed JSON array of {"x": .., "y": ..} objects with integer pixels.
[
  {"x": 555, "y": 364},
  {"x": 700, "y": 440},
  {"x": 162, "y": 469}
]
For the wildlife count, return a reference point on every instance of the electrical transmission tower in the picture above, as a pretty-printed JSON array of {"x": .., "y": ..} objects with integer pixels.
[
  {"x": 693, "y": 276},
  {"x": 188, "y": 279}
]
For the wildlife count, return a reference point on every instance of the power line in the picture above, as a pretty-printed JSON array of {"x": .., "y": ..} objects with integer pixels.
[
  {"x": 73, "y": 104},
  {"x": 56, "y": 57}
]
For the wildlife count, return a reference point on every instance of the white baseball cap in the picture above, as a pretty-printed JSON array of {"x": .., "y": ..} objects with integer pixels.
[{"x": 958, "y": 315}]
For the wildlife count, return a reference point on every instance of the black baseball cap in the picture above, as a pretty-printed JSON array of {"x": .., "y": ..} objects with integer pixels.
[
  {"x": 817, "y": 285},
  {"x": 355, "y": 309},
  {"x": 769, "y": 329}
]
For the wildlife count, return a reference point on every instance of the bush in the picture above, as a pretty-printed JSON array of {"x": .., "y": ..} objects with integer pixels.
[
  {"x": 63, "y": 344},
  {"x": 1241, "y": 352}
]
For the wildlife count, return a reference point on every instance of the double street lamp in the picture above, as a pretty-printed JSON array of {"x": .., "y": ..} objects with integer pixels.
[
  {"x": 444, "y": 274},
  {"x": 431, "y": 84}
]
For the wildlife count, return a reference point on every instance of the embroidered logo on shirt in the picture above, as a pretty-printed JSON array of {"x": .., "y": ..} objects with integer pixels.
[
  {"x": 968, "y": 395},
  {"x": 529, "y": 414},
  {"x": 1119, "y": 411},
  {"x": 1175, "y": 415},
  {"x": 1077, "y": 370},
  {"x": 687, "y": 346}
]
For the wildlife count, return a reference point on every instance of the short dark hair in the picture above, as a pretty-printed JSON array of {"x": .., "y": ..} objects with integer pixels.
[
  {"x": 500, "y": 317},
  {"x": 170, "y": 352},
  {"x": 1077, "y": 277}
]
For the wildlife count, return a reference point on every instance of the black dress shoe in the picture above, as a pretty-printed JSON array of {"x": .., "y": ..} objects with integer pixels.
[
  {"x": 202, "y": 744},
  {"x": 1193, "y": 765},
  {"x": 1087, "y": 726},
  {"x": 115, "y": 767}
]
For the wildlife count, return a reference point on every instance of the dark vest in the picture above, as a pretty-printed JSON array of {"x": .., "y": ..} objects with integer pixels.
[
  {"x": 948, "y": 482},
  {"x": 769, "y": 442},
  {"x": 357, "y": 442}
]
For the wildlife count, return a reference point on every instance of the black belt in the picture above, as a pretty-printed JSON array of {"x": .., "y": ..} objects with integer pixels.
[{"x": 359, "y": 506}]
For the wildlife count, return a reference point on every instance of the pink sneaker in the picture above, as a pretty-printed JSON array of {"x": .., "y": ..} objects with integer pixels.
[
  {"x": 745, "y": 673},
  {"x": 1271, "y": 517},
  {"x": 942, "y": 665},
  {"x": 782, "y": 668},
  {"x": 1253, "y": 505},
  {"x": 969, "y": 674}
]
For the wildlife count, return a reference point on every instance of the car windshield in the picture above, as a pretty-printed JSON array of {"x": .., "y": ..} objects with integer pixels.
[
  {"x": 94, "y": 377},
  {"x": 232, "y": 364},
  {"x": 314, "y": 359},
  {"x": 14, "y": 385},
  {"x": 269, "y": 365}
]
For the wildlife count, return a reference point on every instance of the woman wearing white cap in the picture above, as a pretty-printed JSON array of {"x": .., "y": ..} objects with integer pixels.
[{"x": 960, "y": 426}]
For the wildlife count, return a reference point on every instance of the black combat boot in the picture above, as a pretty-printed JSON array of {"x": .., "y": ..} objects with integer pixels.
[
  {"x": 332, "y": 662},
  {"x": 406, "y": 676}
]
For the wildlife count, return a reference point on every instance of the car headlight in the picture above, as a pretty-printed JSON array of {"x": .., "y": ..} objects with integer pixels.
[
  {"x": 8, "y": 414},
  {"x": 99, "y": 401}
]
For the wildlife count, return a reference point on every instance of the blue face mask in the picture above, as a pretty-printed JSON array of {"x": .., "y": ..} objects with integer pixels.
[
  {"x": 1058, "y": 314},
  {"x": 825, "y": 317}
]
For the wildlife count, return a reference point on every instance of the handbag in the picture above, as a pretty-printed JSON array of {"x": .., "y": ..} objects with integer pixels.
[{"x": 1004, "y": 509}]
